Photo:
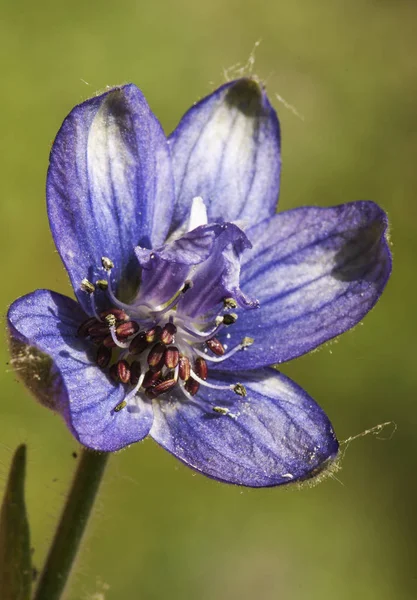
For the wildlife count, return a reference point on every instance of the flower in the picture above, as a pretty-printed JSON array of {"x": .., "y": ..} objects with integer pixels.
[{"x": 189, "y": 286}]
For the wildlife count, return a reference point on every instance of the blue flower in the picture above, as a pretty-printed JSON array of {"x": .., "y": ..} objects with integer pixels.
[{"x": 189, "y": 286}]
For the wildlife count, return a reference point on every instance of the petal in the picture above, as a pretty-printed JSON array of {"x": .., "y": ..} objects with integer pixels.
[
  {"x": 109, "y": 186},
  {"x": 278, "y": 434},
  {"x": 208, "y": 256},
  {"x": 226, "y": 149},
  {"x": 316, "y": 273},
  {"x": 87, "y": 398}
]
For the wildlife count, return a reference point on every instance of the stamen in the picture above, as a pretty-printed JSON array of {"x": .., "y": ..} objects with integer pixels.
[
  {"x": 102, "y": 284},
  {"x": 192, "y": 386},
  {"x": 123, "y": 371},
  {"x": 200, "y": 367},
  {"x": 156, "y": 357},
  {"x": 117, "y": 312},
  {"x": 82, "y": 330},
  {"x": 138, "y": 344},
  {"x": 115, "y": 340},
  {"x": 215, "y": 346},
  {"x": 120, "y": 406},
  {"x": 103, "y": 356},
  {"x": 245, "y": 343},
  {"x": 221, "y": 410},
  {"x": 213, "y": 386},
  {"x": 229, "y": 303},
  {"x": 150, "y": 378},
  {"x": 135, "y": 390},
  {"x": 230, "y": 319},
  {"x": 172, "y": 357},
  {"x": 168, "y": 333},
  {"x": 87, "y": 286},
  {"x": 126, "y": 330},
  {"x": 107, "y": 263},
  {"x": 161, "y": 388},
  {"x": 135, "y": 372},
  {"x": 153, "y": 335},
  {"x": 184, "y": 368}
]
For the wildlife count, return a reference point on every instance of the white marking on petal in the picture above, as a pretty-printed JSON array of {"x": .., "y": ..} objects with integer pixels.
[{"x": 198, "y": 214}]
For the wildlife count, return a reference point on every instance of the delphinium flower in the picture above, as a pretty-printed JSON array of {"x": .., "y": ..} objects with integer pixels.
[{"x": 189, "y": 286}]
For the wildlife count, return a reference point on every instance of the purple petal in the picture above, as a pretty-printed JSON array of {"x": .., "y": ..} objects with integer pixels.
[
  {"x": 109, "y": 186},
  {"x": 87, "y": 398},
  {"x": 226, "y": 149},
  {"x": 209, "y": 255},
  {"x": 277, "y": 434},
  {"x": 316, "y": 273}
]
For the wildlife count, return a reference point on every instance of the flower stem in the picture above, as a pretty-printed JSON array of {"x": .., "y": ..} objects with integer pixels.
[{"x": 71, "y": 527}]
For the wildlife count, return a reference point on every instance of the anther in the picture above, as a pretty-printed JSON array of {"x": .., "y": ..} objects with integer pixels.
[
  {"x": 87, "y": 286},
  {"x": 113, "y": 372},
  {"x": 84, "y": 327},
  {"x": 162, "y": 387},
  {"x": 123, "y": 371},
  {"x": 240, "y": 390},
  {"x": 151, "y": 378},
  {"x": 230, "y": 319},
  {"x": 188, "y": 284},
  {"x": 246, "y": 342},
  {"x": 126, "y": 330},
  {"x": 103, "y": 356},
  {"x": 110, "y": 320},
  {"x": 120, "y": 406},
  {"x": 109, "y": 342},
  {"x": 152, "y": 335},
  {"x": 138, "y": 344},
  {"x": 171, "y": 357},
  {"x": 108, "y": 264},
  {"x": 229, "y": 303},
  {"x": 192, "y": 386},
  {"x": 184, "y": 368},
  {"x": 200, "y": 367},
  {"x": 221, "y": 410},
  {"x": 102, "y": 284},
  {"x": 168, "y": 333},
  {"x": 135, "y": 372},
  {"x": 117, "y": 312},
  {"x": 156, "y": 357},
  {"x": 98, "y": 329},
  {"x": 215, "y": 346}
]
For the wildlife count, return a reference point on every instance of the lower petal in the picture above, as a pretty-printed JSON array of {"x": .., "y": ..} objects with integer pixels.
[
  {"x": 275, "y": 435},
  {"x": 85, "y": 396}
]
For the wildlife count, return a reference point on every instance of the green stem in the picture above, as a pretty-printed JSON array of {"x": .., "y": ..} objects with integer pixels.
[{"x": 72, "y": 525}]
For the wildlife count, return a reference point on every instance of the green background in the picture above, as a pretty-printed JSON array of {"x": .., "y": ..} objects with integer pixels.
[{"x": 159, "y": 530}]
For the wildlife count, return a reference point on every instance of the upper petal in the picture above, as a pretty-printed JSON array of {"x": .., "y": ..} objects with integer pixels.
[
  {"x": 316, "y": 272},
  {"x": 49, "y": 322},
  {"x": 109, "y": 186},
  {"x": 208, "y": 256},
  {"x": 277, "y": 434},
  {"x": 226, "y": 149}
]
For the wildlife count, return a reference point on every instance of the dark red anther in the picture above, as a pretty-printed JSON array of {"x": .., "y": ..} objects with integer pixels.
[
  {"x": 201, "y": 368},
  {"x": 215, "y": 346},
  {"x": 168, "y": 333},
  {"x": 98, "y": 330},
  {"x": 172, "y": 357},
  {"x": 125, "y": 330},
  {"x": 163, "y": 386},
  {"x": 84, "y": 327},
  {"x": 152, "y": 335},
  {"x": 109, "y": 342},
  {"x": 151, "y": 378},
  {"x": 184, "y": 368},
  {"x": 138, "y": 344},
  {"x": 103, "y": 356},
  {"x": 123, "y": 371},
  {"x": 113, "y": 372},
  {"x": 156, "y": 357},
  {"x": 192, "y": 386},
  {"x": 135, "y": 372},
  {"x": 117, "y": 312}
]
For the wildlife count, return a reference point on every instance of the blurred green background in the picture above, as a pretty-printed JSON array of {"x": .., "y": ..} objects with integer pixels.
[{"x": 159, "y": 530}]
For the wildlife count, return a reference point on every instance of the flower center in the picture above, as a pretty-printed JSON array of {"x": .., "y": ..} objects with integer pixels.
[{"x": 152, "y": 350}]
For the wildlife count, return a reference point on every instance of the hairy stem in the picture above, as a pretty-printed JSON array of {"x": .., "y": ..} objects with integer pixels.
[{"x": 71, "y": 527}]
